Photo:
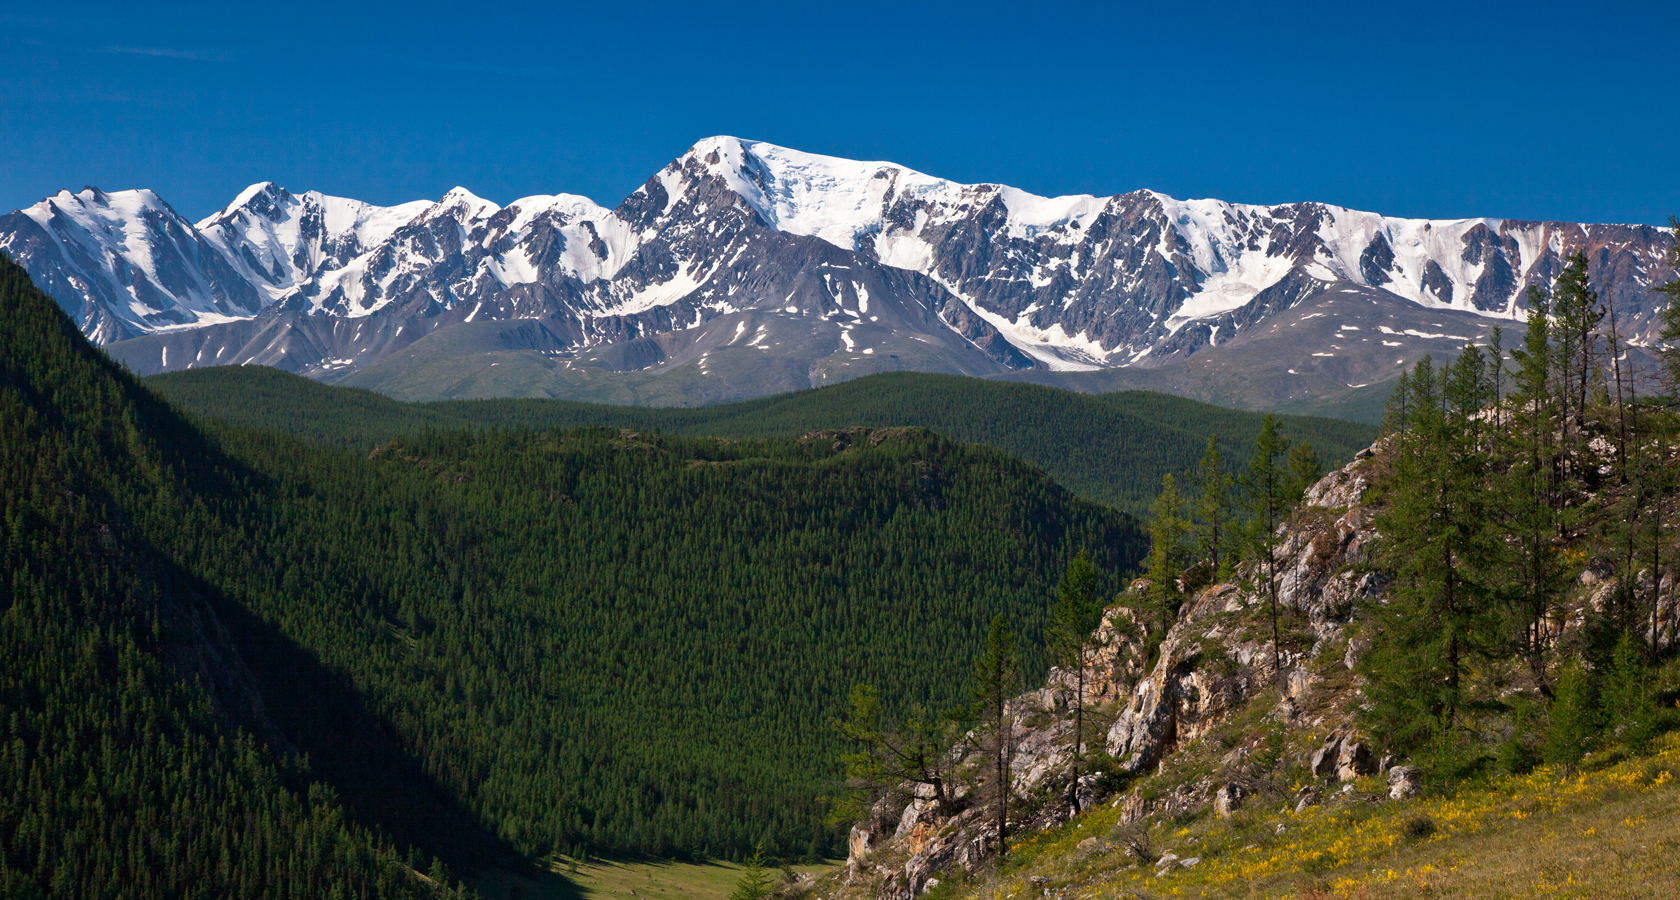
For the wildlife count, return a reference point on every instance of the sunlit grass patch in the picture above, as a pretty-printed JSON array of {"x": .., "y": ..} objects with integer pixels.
[
  {"x": 598, "y": 879},
  {"x": 1610, "y": 830}
]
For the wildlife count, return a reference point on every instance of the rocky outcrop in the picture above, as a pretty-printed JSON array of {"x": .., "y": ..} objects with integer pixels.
[
  {"x": 1209, "y": 664},
  {"x": 1228, "y": 800},
  {"x": 1204, "y": 721},
  {"x": 1343, "y": 757},
  {"x": 1203, "y": 670}
]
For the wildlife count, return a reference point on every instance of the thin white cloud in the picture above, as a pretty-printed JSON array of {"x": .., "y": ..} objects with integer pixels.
[
  {"x": 168, "y": 52},
  {"x": 201, "y": 55}
]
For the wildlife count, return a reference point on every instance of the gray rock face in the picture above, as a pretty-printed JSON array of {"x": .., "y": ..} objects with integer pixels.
[
  {"x": 734, "y": 236},
  {"x": 1207, "y": 666},
  {"x": 1404, "y": 782},
  {"x": 1186, "y": 694},
  {"x": 1342, "y": 757},
  {"x": 1308, "y": 799},
  {"x": 1179, "y": 700}
]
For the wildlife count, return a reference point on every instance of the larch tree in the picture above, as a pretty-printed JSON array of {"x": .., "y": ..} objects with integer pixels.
[
  {"x": 1577, "y": 314},
  {"x": 1266, "y": 488},
  {"x": 997, "y": 676},
  {"x": 1213, "y": 521},
  {"x": 1167, "y": 529},
  {"x": 1438, "y": 540},
  {"x": 1078, "y": 615},
  {"x": 1530, "y": 487},
  {"x": 1305, "y": 468},
  {"x": 887, "y": 754}
]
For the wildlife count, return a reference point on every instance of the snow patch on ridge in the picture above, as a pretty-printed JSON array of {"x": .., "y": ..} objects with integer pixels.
[{"x": 278, "y": 240}]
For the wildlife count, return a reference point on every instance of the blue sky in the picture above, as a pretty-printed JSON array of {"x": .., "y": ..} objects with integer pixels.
[{"x": 1442, "y": 110}]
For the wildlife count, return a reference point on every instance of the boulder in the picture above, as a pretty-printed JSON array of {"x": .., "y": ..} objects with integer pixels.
[
  {"x": 1309, "y": 798},
  {"x": 1300, "y": 683},
  {"x": 1089, "y": 791},
  {"x": 1353, "y": 760},
  {"x": 1323, "y": 762},
  {"x": 912, "y": 816},
  {"x": 1404, "y": 781},
  {"x": 1228, "y": 800},
  {"x": 1356, "y": 650},
  {"x": 1167, "y": 862},
  {"x": 1134, "y": 807},
  {"x": 858, "y": 844},
  {"x": 1343, "y": 758}
]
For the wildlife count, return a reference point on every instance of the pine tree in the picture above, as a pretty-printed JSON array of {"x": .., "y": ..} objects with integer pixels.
[
  {"x": 1397, "y": 414},
  {"x": 1530, "y": 489},
  {"x": 888, "y": 754},
  {"x": 1629, "y": 696},
  {"x": 1438, "y": 540},
  {"x": 754, "y": 883},
  {"x": 1658, "y": 477},
  {"x": 1577, "y": 311},
  {"x": 1574, "y": 719},
  {"x": 1496, "y": 356},
  {"x": 1669, "y": 348},
  {"x": 1305, "y": 468},
  {"x": 996, "y": 679}
]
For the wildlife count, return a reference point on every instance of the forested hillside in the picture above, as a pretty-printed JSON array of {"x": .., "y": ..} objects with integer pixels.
[
  {"x": 138, "y": 759},
  {"x": 1111, "y": 448},
  {"x": 561, "y": 639},
  {"x": 620, "y": 641}
]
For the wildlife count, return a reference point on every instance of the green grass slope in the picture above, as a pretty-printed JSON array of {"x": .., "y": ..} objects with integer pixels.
[
  {"x": 1111, "y": 448},
  {"x": 1610, "y": 828}
]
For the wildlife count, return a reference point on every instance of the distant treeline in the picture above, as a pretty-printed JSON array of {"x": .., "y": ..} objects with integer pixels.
[{"x": 1111, "y": 448}]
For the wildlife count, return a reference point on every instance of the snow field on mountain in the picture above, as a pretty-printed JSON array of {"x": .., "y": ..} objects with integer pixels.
[{"x": 1074, "y": 282}]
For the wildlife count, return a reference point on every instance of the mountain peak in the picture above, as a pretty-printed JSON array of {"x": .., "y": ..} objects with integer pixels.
[
  {"x": 1077, "y": 281},
  {"x": 461, "y": 205},
  {"x": 261, "y": 199}
]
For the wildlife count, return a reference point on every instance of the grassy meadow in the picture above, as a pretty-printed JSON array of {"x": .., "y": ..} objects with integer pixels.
[
  {"x": 1609, "y": 829},
  {"x": 598, "y": 879}
]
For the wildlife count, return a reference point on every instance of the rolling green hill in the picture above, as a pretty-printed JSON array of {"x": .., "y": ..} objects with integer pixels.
[{"x": 1111, "y": 448}]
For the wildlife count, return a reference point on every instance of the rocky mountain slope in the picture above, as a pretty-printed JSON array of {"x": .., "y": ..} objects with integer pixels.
[
  {"x": 743, "y": 268},
  {"x": 1192, "y": 721}
]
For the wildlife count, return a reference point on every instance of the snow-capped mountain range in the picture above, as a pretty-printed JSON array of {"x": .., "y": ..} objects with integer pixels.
[{"x": 740, "y": 245}]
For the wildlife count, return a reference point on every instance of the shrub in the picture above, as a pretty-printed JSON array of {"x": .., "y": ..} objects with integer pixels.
[
  {"x": 1419, "y": 828},
  {"x": 1574, "y": 720}
]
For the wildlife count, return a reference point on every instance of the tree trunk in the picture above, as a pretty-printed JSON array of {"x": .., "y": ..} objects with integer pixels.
[
  {"x": 1078, "y": 732},
  {"x": 1002, "y": 785}
]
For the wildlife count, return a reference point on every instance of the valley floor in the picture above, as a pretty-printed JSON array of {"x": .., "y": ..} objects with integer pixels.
[{"x": 605, "y": 879}]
